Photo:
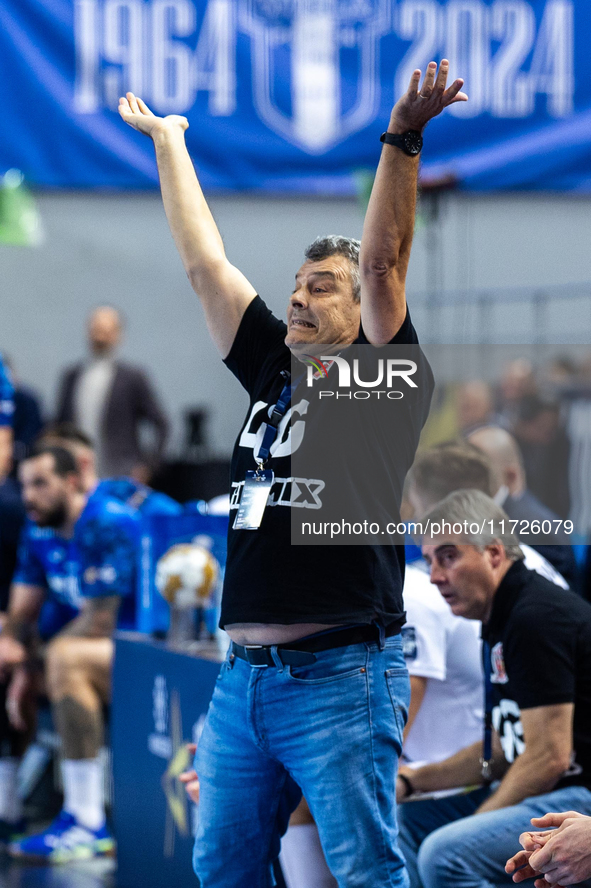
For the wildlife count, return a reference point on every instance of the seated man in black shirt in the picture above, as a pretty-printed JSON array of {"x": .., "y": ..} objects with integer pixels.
[
  {"x": 314, "y": 690},
  {"x": 537, "y": 732}
]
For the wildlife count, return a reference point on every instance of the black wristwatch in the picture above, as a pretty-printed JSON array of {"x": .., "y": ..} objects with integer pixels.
[{"x": 410, "y": 142}]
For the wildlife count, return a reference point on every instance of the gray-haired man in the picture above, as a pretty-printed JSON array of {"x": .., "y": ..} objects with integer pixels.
[
  {"x": 305, "y": 717},
  {"x": 537, "y": 661}
]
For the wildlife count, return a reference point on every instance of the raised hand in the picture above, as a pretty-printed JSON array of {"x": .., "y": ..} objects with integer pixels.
[
  {"x": 136, "y": 113},
  {"x": 417, "y": 106}
]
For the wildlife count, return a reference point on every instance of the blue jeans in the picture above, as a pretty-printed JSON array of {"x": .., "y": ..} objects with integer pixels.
[
  {"x": 332, "y": 730},
  {"x": 471, "y": 851}
]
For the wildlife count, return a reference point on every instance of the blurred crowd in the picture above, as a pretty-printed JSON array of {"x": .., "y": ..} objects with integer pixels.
[{"x": 534, "y": 423}]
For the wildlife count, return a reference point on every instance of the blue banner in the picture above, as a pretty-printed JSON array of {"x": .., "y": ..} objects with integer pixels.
[{"x": 292, "y": 95}]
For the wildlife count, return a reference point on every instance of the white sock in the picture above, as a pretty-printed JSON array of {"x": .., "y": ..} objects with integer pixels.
[
  {"x": 302, "y": 859},
  {"x": 84, "y": 791},
  {"x": 11, "y": 806}
]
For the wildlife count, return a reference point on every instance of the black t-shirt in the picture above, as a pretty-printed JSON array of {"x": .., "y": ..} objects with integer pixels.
[
  {"x": 540, "y": 641},
  {"x": 267, "y": 579}
]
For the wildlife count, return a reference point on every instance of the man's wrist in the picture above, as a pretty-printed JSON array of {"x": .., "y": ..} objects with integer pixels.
[
  {"x": 167, "y": 132},
  {"x": 408, "y": 786},
  {"x": 398, "y": 126}
]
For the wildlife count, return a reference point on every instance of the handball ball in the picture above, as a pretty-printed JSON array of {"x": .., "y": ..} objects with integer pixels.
[{"x": 186, "y": 576}]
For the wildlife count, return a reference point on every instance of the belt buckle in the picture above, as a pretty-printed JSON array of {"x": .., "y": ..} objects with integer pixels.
[{"x": 255, "y": 647}]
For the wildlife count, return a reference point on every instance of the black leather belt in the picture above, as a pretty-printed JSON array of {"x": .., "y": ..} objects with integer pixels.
[{"x": 301, "y": 652}]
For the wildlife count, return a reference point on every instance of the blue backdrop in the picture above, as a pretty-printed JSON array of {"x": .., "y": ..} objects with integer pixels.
[{"x": 292, "y": 95}]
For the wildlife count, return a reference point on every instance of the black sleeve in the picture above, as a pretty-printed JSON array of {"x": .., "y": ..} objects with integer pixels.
[
  {"x": 260, "y": 335},
  {"x": 406, "y": 335},
  {"x": 540, "y": 656}
]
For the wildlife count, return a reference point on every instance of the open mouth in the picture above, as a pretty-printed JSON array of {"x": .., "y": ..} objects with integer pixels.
[{"x": 299, "y": 322}]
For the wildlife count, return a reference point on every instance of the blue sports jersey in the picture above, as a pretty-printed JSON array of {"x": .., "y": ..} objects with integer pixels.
[
  {"x": 138, "y": 496},
  {"x": 100, "y": 559},
  {"x": 6, "y": 396}
]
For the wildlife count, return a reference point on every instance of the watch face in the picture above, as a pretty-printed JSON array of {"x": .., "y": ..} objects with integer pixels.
[{"x": 413, "y": 142}]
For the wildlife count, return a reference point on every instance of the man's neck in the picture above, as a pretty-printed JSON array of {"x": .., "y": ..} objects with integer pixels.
[
  {"x": 75, "y": 509},
  {"x": 502, "y": 571}
]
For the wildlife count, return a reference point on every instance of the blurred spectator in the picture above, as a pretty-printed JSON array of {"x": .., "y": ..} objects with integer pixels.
[
  {"x": 475, "y": 406},
  {"x": 11, "y": 508},
  {"x": 27, "y": 420},
  {"x": 109, "y": 400},
  {"x": 12, "y": 517},
  {"x": 545, "y": 450},
  {"x": 517, "y": 382},
  {"x": 134, "y": 494},
  {"x": 520, "y": 504},
  {"x": 578, "y": 429}
]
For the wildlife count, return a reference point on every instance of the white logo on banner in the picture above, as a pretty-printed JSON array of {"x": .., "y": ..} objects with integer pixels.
[
  {"x": 170, "y": 51},
  {"x": 310, "y": 36}
]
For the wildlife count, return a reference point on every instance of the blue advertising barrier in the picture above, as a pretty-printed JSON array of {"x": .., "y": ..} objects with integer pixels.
[
  {"x": 291, "y": 95},
  {"x": 160, "y": 698}
]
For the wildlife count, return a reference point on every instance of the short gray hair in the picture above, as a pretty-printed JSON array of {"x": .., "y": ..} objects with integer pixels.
[
  {"x": 336, "y": 245},
  {"x": 469, "y": 508}
]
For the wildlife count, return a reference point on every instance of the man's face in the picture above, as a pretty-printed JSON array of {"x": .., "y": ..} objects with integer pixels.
[
  {"x": 465, "y": 576},
  {"x": 322, "y": 310},
  {"x": 104, "y": 331},
  {"x": 44, "y": 492}
]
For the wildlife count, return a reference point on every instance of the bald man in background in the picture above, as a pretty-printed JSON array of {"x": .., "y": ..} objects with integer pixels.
[
  {"x": 520, "y": 504},
  {"x": 110, "y": 400}
]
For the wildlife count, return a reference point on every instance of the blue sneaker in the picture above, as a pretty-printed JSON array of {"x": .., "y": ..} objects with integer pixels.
[{"x": 64, "y": 840}]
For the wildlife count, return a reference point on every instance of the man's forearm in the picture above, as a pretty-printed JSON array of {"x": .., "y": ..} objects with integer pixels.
[
  {"x": 21, "y": 628},
  {"x": 193, "y": 227},
  {"x": 389, "y": 221},
  {"x": 462, "y": 769},
  {"x": 528, "y": 776}
]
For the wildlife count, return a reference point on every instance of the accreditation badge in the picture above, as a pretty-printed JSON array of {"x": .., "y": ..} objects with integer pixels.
[{"x": 255, "y": 494}]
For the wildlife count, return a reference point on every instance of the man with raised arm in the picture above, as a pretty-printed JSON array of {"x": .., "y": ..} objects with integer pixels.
[{"x": 313, "y": 693}]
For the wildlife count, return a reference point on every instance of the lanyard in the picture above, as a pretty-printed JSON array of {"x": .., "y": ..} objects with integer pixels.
[
  {"x": 277, "y": 414},
  {"x": 488, "y": 708}
]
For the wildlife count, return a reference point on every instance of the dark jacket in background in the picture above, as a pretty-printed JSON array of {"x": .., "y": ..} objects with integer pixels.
[
  {"x": 12, "y": 518},
  {"x": 130, "y": 403},
  {"x": 555, "y": 548},
  {"x": 27, "y": 421}
]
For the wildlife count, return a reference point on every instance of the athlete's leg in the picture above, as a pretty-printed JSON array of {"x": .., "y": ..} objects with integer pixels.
[{"x": 78, "y": 686}]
